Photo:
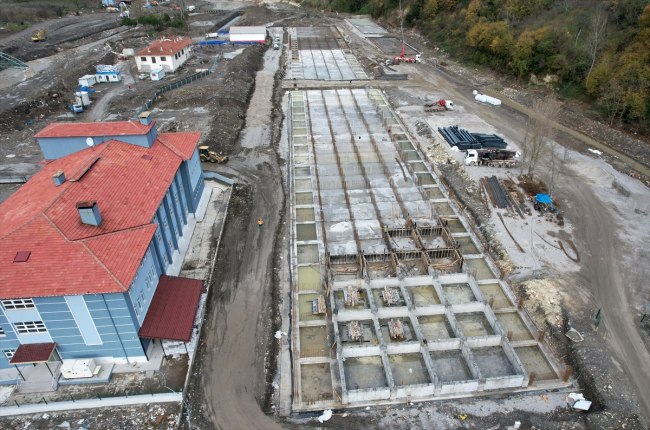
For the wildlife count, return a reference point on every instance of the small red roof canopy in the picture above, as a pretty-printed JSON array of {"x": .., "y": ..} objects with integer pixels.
[
  {"x": 173, "y": 309},
  {"x": 33, "y": 353}
]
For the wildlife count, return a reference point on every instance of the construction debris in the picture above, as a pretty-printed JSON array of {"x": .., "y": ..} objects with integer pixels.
[
  {"x": 391, "y": 297},
  {"x": 355, "y": 331},
  {"x": 351, "y": 296},
  {"x": 318, "y": 306},
  {"x": 396, "y": 329}
]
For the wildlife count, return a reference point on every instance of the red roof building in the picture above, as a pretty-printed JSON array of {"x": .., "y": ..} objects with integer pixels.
[
  {"x": 84, "y": 243},
  {"x": 127, "y": 182},
  {"x": 168, "y": 54}
]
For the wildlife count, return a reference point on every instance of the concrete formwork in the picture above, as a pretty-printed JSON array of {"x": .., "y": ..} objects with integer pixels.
[
  {"x": 377, "y": 228},
  {"x": 321, "y": 53}
]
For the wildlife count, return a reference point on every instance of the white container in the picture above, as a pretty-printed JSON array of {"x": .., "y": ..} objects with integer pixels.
[
  {"x": 87, "y": 81},
  {"x": 75, "y": 369},
  {"x": 475, "y": 92},
  {"x": 157, "y": 74}
]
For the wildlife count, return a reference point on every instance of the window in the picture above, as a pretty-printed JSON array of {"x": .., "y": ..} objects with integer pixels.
[
  {"x": 159, "y": 236},
  {"x": 139, "y": 304},
  {"x": 131, "y": 287},
  {"x": 9, "y": 353},
  {"x": 171, "y": 246},
  {"x": 165, "y": 258},
  {"x": 165, "y": 222},
  {"x": 153, "y": 60},
  {"x": 143, "y": 59},
  {"x": 2, "y": 333},
  {"x": 176, "y": 56},
  {"x": 163, "y": 58},
  {"x": 137, "y": 314},
  {"x": 148, "y": 252},
  {"x": 175, "y": 231},
  {"x": 144, "y": 299},
  {"x": 13, "y": 304},
  {"x": 142, "y": 263},
  {"x": 30, "y": 327},
  {"x": 149, "y": 282}
]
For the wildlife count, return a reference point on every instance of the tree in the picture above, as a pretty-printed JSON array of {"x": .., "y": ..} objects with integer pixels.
[
  {"x": 560, "y": 159},
  {"x": 539, "y": 130},
  {"x": 613, "y": 100},
  {"x": 597, "y": 37}
]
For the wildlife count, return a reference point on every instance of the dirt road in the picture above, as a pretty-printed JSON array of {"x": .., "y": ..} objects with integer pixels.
[{"x": 232, "y": 357}]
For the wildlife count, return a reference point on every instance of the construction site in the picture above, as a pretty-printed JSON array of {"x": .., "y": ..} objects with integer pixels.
[
  {"x": 395, "y": 300},
  {"x": 374, "y": 252}
]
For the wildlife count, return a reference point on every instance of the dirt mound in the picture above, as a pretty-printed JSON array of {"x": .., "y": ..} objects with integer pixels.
[
  {"x": 542, "y": 296},
  {"x": 232, "y": 101}
]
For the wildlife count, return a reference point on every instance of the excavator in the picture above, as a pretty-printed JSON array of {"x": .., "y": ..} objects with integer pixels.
[
  {"x": 41, "y": 35},
  {"x": 439, "y": 106},
  {"x": 211, "y": 156}
]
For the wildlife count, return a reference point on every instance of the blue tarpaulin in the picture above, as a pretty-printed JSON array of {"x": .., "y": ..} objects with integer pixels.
[
  {"x": 544, "y": 198},
  {"x": 213, "y": 42}
]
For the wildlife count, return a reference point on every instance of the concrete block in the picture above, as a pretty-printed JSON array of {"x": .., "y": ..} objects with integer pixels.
[
  {"x": 420, "y": 390},
  {"x": 502, "y": 382},
  {"x": 459, "y": 387}
]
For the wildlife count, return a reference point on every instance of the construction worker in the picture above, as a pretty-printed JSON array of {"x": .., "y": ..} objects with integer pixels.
[
  {"x": 259, "y": 223},
  {"x": 129, "y": 86}
]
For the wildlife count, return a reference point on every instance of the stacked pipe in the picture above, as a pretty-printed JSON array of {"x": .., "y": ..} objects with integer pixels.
[
  {"x": 499, "y": 195},
  {"x": 459, "y": 138},
  {"x": 490, "y": 140}
]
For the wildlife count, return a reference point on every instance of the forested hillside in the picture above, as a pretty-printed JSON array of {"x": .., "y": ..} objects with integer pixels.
[{"x": 598, "y": 51}]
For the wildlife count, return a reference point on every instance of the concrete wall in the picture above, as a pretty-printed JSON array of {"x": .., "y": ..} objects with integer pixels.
[
  {"x": 368, "y": 395},
  {"x": 459, "y": 387},
  {"x": 360, "y": 351},
  {"x": 419, "y": 390},
  {"x": 484, "y": 341},
  {"x": 503, "y": 382}
]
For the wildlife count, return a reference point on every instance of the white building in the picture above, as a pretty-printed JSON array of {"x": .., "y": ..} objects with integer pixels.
[
  {"x": 169, "y": 54},
  {"x": 252, "y": 34}
]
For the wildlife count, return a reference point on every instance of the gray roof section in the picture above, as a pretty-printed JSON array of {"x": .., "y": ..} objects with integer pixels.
[{"x": 248, "y": 30}]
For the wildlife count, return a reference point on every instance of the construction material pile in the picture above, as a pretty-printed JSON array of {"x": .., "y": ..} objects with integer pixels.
[{"x": 464, "y": 140}]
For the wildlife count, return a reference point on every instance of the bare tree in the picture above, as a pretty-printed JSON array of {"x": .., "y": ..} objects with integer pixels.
[
  {"x": 567, "y": 5},
  {"x": 560, "y": 159},
  {"x": 613, "y": 100},
  {"x": 539, "y": 130},
  {"x": 597, "y": 37}
]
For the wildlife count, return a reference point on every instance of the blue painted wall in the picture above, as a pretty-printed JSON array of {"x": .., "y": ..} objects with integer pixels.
[{"x": 57, "y": 147}]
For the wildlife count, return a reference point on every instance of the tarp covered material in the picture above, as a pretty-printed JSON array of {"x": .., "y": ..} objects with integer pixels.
[{"x": 544, "y": 198}]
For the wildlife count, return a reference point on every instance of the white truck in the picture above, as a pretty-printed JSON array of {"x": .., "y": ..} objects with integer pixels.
[{"x": 491, "y": 157}]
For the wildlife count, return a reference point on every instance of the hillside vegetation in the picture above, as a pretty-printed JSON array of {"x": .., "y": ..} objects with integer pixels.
[{"x": 598, "y": 51}]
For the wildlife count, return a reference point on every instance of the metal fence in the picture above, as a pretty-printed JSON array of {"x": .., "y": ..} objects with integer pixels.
[{"x": 177, "y": 85}]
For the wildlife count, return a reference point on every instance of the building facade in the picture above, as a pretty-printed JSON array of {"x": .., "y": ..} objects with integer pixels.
[
  {"x": 170, "y": 54},
  {"x": 84, "y": 242}
]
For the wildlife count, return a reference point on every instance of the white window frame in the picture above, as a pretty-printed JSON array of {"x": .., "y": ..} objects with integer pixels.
[
  {"x": 9, "y": 353},
  {"x": 30, "y": 327},
  {"x": 144, "y": 299},
  {"x": 18, "y": 304},
  {"x": 2, "y": 333},
  {"x": 139, "y": 304}
]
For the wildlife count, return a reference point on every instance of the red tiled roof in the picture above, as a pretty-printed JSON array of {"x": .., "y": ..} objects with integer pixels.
[
  {"x": 55, "y": 266},
  {"x": 154, "y": 49},
  {"x": 185, "y": 143},
  {"x": 67, "y": 256},
  {"x": 33, "y": 353},
  {"x": 85, "y": 129},
  {"x": 172, "y": 310},
  {"x": 109, "y": 248},
  {"x": 127, "y": 188}
]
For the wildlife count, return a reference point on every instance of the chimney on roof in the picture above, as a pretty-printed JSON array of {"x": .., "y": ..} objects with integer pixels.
[
  {"x": 89, "y": 212},
  {"x": 148, "y": 49},
  {"x": 171, "y": 49},
  {"x": 145, "y": 118},
  {"x": 59, "y": 178},
  {"x": 161, "y": 49}
]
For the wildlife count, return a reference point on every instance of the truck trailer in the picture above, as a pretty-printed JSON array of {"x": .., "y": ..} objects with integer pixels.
[{"x": 491, "y": 157}]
